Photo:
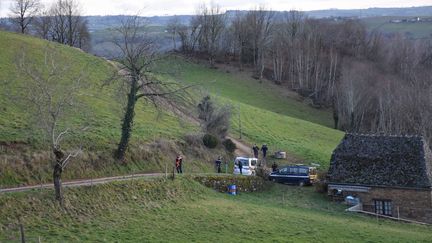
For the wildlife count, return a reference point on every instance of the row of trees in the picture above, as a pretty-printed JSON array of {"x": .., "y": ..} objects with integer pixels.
[
  {"x": 373, "y": 82},
  {"x": 61, "y": 22}
]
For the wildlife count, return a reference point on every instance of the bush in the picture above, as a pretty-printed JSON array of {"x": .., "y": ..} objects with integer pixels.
[
  {"x": 230, "y": 146},
  {"x": 243, "y": 183},
  {"x": 263, "y": 172},
  {"x": 214, "y": 120},
  {"x": 321, "y": 184},
  {"x": 210, "y": 141}
]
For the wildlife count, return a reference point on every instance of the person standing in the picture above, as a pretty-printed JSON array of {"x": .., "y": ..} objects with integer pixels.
[
  {"x": 240, "y": 166},
  {"x": 255, "y": 149},
  {"x": 178, "y": 164},
  {"x": 264, "y": 149},
  {"x": 274, "y": 166},
  {"x": 218, "y": 164}
]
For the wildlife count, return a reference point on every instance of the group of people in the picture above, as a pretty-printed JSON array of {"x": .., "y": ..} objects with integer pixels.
[
  {"x": 179, "y": 164},
  {"x": 256, "y": 150},
  {"x": 218, "y": 162}
]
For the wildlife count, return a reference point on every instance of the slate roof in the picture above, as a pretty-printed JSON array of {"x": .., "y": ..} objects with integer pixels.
[{"x": 379, "y": 160}]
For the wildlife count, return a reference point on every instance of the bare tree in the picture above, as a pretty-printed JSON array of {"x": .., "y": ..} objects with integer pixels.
[
  {"x": 23, "y": 12},
  {"x": 241, "y": 36},
  {"x": 260, "y": 22},
  {"x": 138, "y": 56},
  {"x": 173, "y": 28},
  {"x": 67, "y": 25},
  {"x": 189, "y": 36},
  {"x": 211, "y": 22},
  {"x": 43, "y": 24},
  {"x": 50, "y": 92},
  {"x": 214, "y": 120}
]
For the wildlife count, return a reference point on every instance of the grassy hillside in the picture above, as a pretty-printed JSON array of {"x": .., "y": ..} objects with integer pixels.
[
  {"x": 184, "y": 211},
  {"x": 103, "y": 106},
  {"x": 412, "y": 30},
  {"x": 157, "y": 135},
  {"x": 268, "y": 113}
]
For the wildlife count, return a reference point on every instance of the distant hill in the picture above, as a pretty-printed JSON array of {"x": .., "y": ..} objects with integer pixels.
[
  {"x": 372, "y": 12},
  {"x": 102, "y": 22}
]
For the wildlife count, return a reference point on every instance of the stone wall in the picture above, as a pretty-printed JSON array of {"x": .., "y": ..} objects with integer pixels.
[
  {"x": 413, "y": 204},
  {"x": 221, "y": 183}
]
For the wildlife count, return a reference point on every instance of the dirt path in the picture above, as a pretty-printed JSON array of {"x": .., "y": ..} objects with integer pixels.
[
  {"x": 87, "y": 182},
  {"x": 242, "y": 148}
]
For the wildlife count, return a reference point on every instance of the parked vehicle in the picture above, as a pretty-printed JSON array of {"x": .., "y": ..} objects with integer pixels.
[
  {"x": 295, "y": 174},
  {"x": 248, "y": 168}
]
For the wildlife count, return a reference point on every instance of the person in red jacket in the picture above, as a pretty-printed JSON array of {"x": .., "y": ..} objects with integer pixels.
[{"x": 178, "y": 164}]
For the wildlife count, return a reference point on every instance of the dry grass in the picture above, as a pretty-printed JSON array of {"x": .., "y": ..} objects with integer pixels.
[{"x": 24, "y": 166}]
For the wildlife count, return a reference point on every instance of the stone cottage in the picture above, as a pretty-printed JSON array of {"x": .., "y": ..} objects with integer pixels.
[{"x": 391, "y": 175}]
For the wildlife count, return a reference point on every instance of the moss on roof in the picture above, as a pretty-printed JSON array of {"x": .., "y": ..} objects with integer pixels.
[{"x": 381, "y": 160}]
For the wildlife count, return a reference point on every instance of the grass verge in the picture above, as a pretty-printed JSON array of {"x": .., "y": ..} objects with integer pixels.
[{"x": 185, "y": 211}]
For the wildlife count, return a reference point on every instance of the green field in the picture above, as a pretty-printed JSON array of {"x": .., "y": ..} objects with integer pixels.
[
  {"x": 103, "y": 107},
  {"x": 23, "y": 156},
  {"x": 416, "y": 30},
  {"x": 185, "y": 211},
  {"x": 268, "y": 113}
]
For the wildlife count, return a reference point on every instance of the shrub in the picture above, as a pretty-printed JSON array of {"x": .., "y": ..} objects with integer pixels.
[
  {"x": 263, "y": 172},
  {"x": 230, "y": 146},
  {"x": 321, "y": 184},
  {"x": 221, "y": 183},
  {"x": 194, "y": 140},
  {"x": 210, "y": 141},
  {"x": 214, "y": 120}
]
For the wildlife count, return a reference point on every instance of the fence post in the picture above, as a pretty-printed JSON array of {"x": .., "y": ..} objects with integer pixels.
[
  {"x": 21, "y": 227},
  {"x": 398, "y": 213}
]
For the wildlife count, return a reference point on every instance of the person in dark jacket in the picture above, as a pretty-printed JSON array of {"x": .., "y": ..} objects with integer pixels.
[
  {"x": 274, "y": 166},
  {"x": 178, "y": 164},
  {"x": 218, "y": 164},
  {"x": 255, "y": 149},
  {"x": 240, "y": 166},
  {"x": 264, "y": 149}
]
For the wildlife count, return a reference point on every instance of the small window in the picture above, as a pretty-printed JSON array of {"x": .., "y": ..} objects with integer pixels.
[
  {"x": 383, "y": 207},
  {"x": 283, "y": 171},
  {"x": 303, "y": 171},
  {"x": 253, "y": 162},
  {"x": 293, "y": 170}
]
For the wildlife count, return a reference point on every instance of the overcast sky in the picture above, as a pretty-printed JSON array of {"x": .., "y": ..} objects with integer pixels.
[{"x": 172, "y": 7}]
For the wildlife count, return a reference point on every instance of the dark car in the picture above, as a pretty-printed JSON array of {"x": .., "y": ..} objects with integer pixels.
[{"x": 295, "y": 174}]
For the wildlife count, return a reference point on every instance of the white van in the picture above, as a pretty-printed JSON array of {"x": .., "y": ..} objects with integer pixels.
[{"x": 249, "y": 165}]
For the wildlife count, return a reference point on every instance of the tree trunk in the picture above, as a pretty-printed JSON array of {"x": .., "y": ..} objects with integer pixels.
[
  {"x": 335, "y": 114},
  {"x": 335, "y": 118},
  {"x": 57, "y": 173},
  {"x": 127, "y": 123}
]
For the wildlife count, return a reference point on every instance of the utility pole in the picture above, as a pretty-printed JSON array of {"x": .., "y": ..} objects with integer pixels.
[{"x": 240, "y": 123}]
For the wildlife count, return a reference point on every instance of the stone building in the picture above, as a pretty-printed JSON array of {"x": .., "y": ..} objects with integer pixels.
[{"x": 391, "y": 175}]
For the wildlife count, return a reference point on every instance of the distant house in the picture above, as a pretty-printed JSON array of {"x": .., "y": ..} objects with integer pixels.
[{"x": 391, "y": 175}]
